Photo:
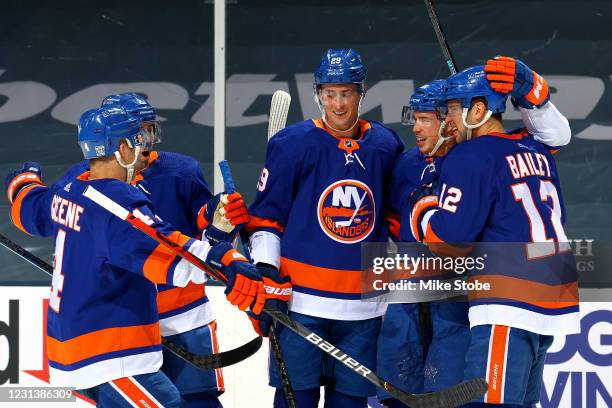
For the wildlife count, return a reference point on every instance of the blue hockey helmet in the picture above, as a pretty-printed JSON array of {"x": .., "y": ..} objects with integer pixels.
[
  {"x": 101, "y": 130},
  {"x": 472, "y": 83},
  {"x": 341, "y": 66},
  {"x": 429, "y": 97},
  {"x": 138, "y": 107}
]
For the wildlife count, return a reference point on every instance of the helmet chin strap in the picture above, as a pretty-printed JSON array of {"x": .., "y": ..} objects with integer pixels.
[
  {"x": 324, "y": 118},
  {"x": 441, "y": 140},
  {"x": 477, "y": 125},
  {"x": 129, "y": 167}
]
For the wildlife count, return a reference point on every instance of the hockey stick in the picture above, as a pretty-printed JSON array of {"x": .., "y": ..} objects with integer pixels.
[
  {"x": 279, "y": 110},
  {"x": 206, "y": 362},
  {"x": 226, "y": 173},
  {"x": 448, "y": 398},
  {"x": 450, "y": 60}
]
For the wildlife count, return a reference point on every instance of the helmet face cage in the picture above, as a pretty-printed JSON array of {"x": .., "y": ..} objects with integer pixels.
[
  {"x": 318, "y": 88},
  {"x": 151, "y": 133},
  {"x": 408, "y": 112}
]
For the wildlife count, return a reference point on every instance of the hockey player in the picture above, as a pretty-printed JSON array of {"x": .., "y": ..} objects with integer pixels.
[
  {"x": 176, "y": 187},
  {"x": 504, "y": 188},
  {"x": 103, "y": 329},
  {"x": 422, "y": 346},
  {"x": 444, "y": 324},
  {"x": 319, "y": 197}
]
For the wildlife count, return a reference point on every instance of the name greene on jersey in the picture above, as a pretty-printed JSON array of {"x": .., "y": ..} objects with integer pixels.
[
  {"x": 526, "y": 164},
  {"x": 66, "y": 213}
]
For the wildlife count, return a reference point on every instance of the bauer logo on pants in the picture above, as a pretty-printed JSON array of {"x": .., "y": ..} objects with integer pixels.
[{"x": 346, "y": 211}]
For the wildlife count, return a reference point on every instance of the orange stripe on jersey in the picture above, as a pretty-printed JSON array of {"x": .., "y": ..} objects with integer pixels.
[
  {"x": 394, "y": 224},
  {"x": 171, "y": 299},
  {"x": 496, "y": 369},
  {"x": 258, "y": 222},
  {"x": 314, "y": 277},
  {"x": 20, "y": 180},
  {"x": 526, "y": 291},
  {"x": 212, "y": 326},
  {"x": 159, "y": 261},
  {"x": 441, "y": 248},
  {"x": 153, "y": 155},
  {"x": 133, "y": 393},
  {"x": 16, "y": 207},
  {"x": 553, "y": 151},
  {"x": 101, "y": 342},
  {"x": 363, "y": 124},
  {"x": 84, "y": 176}
]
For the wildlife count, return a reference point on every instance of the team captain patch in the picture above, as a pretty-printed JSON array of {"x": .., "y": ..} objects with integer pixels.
[{"x": 346, "y": 211}]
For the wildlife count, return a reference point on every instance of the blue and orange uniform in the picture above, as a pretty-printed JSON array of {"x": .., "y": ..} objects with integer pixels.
[
  {"x": 321, "y": 197},
  {"x": 102, "y": 322},
  {"x": 502, "y": 192},
  {"x": 420, "y": 348},
  {"x": 175, "y": 185}
]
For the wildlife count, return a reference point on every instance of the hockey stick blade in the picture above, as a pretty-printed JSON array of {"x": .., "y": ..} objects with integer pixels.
[
  {"x": 451, "y": 397},
  {"x": 217, "y": 360},
  {"x": 279, "y": 109},
  {"x": 203, "y": 362},
  {"x": 432, "y": 400}
]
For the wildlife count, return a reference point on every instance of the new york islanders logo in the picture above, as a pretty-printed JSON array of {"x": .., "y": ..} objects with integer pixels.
[{"x": 346, "y": 211}]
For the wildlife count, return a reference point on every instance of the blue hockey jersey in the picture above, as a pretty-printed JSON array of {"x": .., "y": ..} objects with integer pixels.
[
  {"x": 175, "y": 185},
  {"x": 504, "y": 188},
  {"x": 412, "y": 169},
  {"x": 324, "y": 196},
  {"x": 102, "y": 319}
]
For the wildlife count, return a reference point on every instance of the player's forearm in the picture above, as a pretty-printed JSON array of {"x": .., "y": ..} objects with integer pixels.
[
  {"x": 547, "y": 125},
  {"x": 185, "y": 272},
  {"x": 29, "y": 212},
  {"x": 265, "y": 248}
]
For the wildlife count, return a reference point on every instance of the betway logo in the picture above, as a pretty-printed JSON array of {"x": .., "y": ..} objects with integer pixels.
[{"x": 575, "y": 96}]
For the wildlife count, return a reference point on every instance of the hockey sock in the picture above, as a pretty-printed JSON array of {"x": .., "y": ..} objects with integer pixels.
[
  {"x": 303, "y": 399},
  {"x": 335, "y": 399}
]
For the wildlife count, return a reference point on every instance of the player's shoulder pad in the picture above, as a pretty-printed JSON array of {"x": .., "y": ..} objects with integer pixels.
[
  {"x": 293, "y": 139},
  {"x": 176, "y": 163},
  {"x": 122, "y": 193},
  {"x": 410, "y": 160},
  {"x": 294, "y": 132},
  {"x": 72, "y": 173},
  {"x": 474, "y": 154},
  {"x": 384, "y": 132}
]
